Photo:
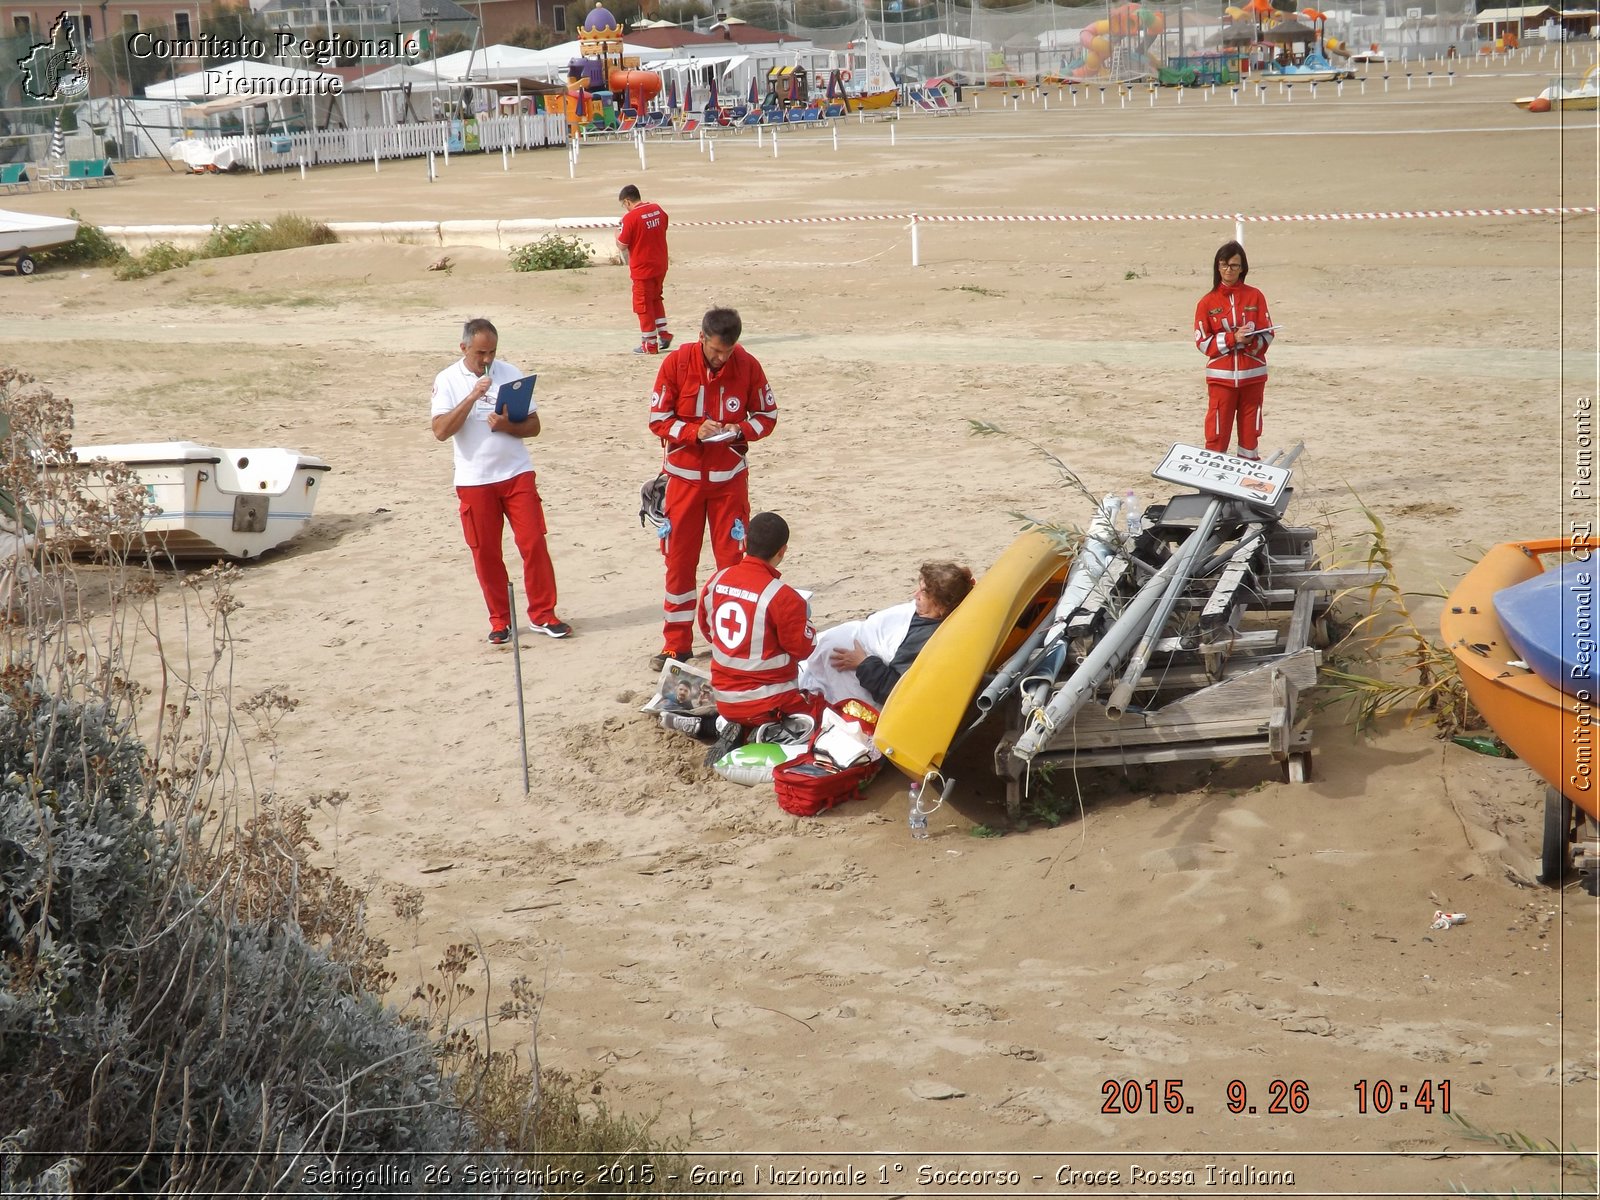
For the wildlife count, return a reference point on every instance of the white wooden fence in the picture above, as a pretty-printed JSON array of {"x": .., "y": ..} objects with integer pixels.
[{"x": 259, "y": 152}]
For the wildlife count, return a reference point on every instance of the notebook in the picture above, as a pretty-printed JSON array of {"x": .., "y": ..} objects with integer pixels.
[{"x": 515, "y": 398}]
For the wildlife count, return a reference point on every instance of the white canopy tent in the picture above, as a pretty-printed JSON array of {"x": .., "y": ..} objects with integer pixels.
[
  {"x": 485, "y": 62},
  {"x": 943, "y": 43}
]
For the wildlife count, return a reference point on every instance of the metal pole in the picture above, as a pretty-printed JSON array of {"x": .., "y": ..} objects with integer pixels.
[
  {"x": 516, "y": 669},
  {"x": 1194, "y": 545}
]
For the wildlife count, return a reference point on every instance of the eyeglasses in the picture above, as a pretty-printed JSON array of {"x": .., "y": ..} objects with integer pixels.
[{"x": 1230, "y": 266}]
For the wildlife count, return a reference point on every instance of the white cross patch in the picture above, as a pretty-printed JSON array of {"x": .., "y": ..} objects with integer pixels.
[{"x": 730, "y": 625}]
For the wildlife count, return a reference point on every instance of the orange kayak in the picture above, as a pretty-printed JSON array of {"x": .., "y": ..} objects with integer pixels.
[{"x": 1554, "y": 733}]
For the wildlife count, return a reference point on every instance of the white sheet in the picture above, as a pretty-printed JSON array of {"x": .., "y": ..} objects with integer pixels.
[{"x": 880, "y": 635}]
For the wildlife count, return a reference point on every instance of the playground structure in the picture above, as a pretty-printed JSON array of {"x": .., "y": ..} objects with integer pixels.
[
  {"x": 603, "y": 83},
  {"x": 1120, "y": 45}
]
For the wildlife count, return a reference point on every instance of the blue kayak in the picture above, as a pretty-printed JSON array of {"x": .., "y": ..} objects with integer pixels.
[{"x": 1550, "y": 621}]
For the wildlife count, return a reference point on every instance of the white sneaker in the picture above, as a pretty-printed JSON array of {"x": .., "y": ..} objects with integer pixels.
[
  {"x": 1248, "y": 455},
  {"x": 681, "y": 723}
]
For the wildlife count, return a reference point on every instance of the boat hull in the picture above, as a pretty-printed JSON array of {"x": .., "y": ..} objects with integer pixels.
[
  {"x": 871, "y": 101},
  {"x": 1552, "y": 732},
  {"x": 30, "y": 231},
  {"x": 213, "y": 502},
  {"x": 923, "y": 713}
]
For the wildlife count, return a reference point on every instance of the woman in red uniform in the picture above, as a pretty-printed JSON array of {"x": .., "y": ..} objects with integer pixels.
[{"x": 1233, "y": 329}]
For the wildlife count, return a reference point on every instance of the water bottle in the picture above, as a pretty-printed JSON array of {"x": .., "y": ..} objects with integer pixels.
[
  {"x": 1130, "y": 508},
  {"x": 918, "y": 820}
]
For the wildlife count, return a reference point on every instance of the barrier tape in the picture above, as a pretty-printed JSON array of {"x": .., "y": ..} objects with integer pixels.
[{"x": 1210, "y": 218}]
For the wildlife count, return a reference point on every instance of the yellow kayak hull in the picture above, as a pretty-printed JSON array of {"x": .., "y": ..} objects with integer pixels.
[{"x": 923, "y": 713}]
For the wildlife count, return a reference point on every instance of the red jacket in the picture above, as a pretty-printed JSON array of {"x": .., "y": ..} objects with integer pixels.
[
  {"x": 1219, "y": 312},
  {"x": 759, "y": 633},
  {"x": 687, "y": 394},
  {"x": 644, "y": 233}
]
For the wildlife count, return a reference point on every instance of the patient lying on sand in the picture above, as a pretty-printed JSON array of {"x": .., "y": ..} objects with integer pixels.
[{"x": 864, "y": 659}]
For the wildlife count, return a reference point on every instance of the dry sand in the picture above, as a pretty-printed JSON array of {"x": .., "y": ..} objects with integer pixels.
[{"x": 764, "y": 983}]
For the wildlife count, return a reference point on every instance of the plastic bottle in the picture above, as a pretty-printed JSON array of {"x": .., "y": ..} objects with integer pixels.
[
  {"x": 1130, "y": 508},
  {"x": 918, "y": 820},
  {"x": 1484, "y": 745}
]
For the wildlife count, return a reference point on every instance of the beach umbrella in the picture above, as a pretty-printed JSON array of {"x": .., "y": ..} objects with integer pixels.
[
  {"x": 58, "y": 142},
  {"x": 711, "y": 102},
  {"x": 1289, "y": 31},
  {"x": 755, "y": 94},
  {"x": 1240, "y": 33},
  {"x": 688, "y": 95},
  {"x": 672, "y": 93}
]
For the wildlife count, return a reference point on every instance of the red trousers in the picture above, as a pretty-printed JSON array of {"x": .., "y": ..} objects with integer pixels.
[
  {"x": 692, "y": 508},
  {"x": 648, "y": 304},
  {"x": 1226, "y": 401},
  {"x": 484, "y": 509}
]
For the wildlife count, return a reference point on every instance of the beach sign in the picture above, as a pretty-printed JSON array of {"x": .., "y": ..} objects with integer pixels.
[{"x": 1222, "y": 474}]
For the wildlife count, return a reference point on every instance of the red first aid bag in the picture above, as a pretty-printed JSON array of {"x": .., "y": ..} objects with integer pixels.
[
  {"x": 813, "y": 783},
  {"x": 806, "y": 787}
]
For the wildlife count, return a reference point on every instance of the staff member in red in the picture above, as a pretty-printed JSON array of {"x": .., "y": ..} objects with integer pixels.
[
  {"x": 711, "y": 400},
  {"x": 1233, "y": 329},
  {"x": 643, "y": 237},
  {"x": 760, "y": 632},
  {"x": 495, "y": 481}
]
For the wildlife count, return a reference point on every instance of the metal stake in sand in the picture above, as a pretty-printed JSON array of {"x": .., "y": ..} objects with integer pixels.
[
  {"x": 1236, "y": 97},
  {"x": 374, "y": 160},
  {"x": 774, "y": 143},
  {"x": 302, "y": 170},
  {"x": 891, "y": 133},
  {"x": 431, "y": 175},
  {"x": 758, "y": 137},
  {"x": 836, "y": 139},
  {"x": 639, "y": 142},
  {"x": 516, "y": 672},
  {"x": 505, "y": 159},
  {"x": 447, "y": 151},
  {"x": 711, "y": 151},
  {"x": 916, "y": 256}
]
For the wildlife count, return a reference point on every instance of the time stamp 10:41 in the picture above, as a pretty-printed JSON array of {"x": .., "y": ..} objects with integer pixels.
[{"x": 1287, "y": 1096}]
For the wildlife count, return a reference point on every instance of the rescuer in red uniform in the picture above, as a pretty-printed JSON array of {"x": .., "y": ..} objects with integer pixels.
[
  {"x": 760, "y": 632},
  {"x": 644, "y": 237},
  {"x": 711, "y": 400},
  {"x": 1233, "y": 329}
]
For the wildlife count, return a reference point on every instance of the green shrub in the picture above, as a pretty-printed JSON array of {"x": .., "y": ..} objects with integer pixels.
[
  {"x": 552, "y": 252},
  {"x": 286, "y": 231},
  {"x": 163, "y": 256},
  {"x": 91, "y": 248}
]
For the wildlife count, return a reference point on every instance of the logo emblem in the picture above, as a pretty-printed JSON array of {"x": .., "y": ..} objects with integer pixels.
[{"x": 57, "y": 69}]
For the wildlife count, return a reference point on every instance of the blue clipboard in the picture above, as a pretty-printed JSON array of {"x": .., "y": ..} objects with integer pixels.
[{"x": 514, "y": 399}]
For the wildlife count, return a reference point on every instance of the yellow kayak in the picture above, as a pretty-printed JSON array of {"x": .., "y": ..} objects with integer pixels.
[{"x": 922, "y": 714}]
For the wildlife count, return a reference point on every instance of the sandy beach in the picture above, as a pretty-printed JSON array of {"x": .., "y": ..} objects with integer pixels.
[{"x": 766, "y": 984}]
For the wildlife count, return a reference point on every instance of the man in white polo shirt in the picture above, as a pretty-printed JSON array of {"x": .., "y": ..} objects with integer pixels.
[{"x": 495, "y": 480}]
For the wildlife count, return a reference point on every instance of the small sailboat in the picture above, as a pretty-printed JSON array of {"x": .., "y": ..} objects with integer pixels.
[{"x": 210, "y": 502}]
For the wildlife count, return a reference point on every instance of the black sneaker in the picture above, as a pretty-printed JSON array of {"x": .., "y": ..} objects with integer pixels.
[
  {"x": 666, "y": 341},
  {"x": 731, "y": 737},
  {"x": 664, "y": 657},
  {"x": 499, "y": 637},
  {"x": 556, "y": 629}
]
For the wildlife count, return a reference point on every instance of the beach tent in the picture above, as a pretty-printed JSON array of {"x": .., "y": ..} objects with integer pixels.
[
  {"x": 243, "y": 78},
  {"x": 943, "y": 43},
  {"x": 485, "y": 62}
]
